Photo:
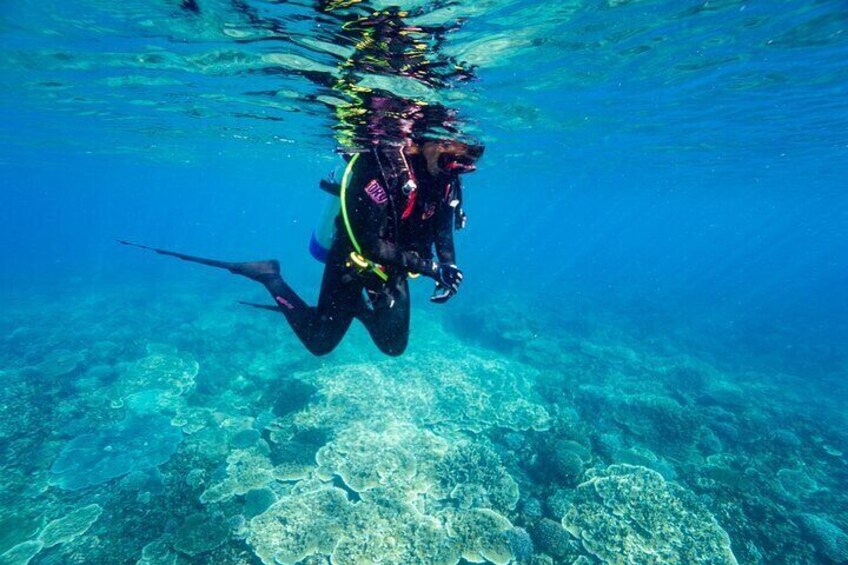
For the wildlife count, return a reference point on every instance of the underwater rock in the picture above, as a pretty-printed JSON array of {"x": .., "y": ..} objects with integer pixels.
[
  {"x": 828, "y": 538},
  {"x": 200, "y": 533},
  {"x": 628, "y": 514},
  {"x": 135, "y": 444},
  {"x": 71, "y": 526},
  {"x": 22, "y": 553}
]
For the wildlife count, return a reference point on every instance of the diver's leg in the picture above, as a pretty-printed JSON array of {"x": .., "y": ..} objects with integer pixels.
[
  {"x": 320, "y": 328},
  {"x": 388, "y": 322},
  {"x": 254, "y": 270}
]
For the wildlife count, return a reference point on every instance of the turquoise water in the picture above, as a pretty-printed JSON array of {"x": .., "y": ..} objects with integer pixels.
[{"x": 647, "y": 360}]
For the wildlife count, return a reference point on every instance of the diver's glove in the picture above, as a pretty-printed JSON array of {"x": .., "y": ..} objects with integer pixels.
[
  {"x": 441, "y": 294},
  {"x": 448, "y": 277}
]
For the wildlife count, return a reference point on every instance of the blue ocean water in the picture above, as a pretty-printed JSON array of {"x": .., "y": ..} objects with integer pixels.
[{"x": 646, "y": 362}]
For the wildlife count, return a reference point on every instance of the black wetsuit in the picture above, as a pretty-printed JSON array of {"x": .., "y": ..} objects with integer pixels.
[
  {"x": 396, "y": 230},
  {"x": 393, "y": 229}
]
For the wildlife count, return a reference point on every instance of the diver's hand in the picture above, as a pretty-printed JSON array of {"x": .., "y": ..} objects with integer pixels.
[
  {"x": 441, "y": 294},
  {"x": 448, "y": 278}
]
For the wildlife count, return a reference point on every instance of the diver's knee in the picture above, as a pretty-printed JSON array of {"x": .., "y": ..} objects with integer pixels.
[
  {"x": 320, "y": 349},
  {"x": 393, "y": 349}
]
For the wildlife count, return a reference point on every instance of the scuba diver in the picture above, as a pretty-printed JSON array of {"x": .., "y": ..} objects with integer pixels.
[
  {"x": 397, "y": 205},
  {"x": 393, "y": 215}
]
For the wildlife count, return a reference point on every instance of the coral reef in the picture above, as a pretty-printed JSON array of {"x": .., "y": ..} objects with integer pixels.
[
  {"x": 22, "y": 553},
  {"x": 136, "y": 443},
  {"x": 628, "y": 514},
  {"x": 554, "y": 540},
  {"x": 200, "y": 533},
  {"x": 548, "y": 439},
  {"x": 472, "y": 475},
  {"x": 434, "y": 391},
  {"x": 69, "y": 527},
  {"x": 308, "y": 520},
  {"x": 828, "y": 538}
]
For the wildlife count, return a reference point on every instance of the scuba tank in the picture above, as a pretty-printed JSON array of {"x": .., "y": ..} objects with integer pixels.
[
  {"x": 395, "y": 171},
  {"x": 325, "y": 229}
]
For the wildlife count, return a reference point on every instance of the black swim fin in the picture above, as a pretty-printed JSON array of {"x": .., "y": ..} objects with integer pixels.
[
  {"x": 260, "y": 306},
  {"x": 259, "y": 271}
]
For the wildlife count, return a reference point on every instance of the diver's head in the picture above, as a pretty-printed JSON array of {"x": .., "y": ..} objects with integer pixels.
[{"x": 450, "y": 157}]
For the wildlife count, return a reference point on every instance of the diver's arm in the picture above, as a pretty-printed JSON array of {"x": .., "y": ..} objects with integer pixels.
[
  {"x": 445, "y": 250},
  {"x": 448, "y": 276}
]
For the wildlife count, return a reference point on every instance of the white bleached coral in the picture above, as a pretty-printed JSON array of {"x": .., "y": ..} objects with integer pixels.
[
  {"x": 472, "y": 475},
  {"x": 403, "y": 481},
  {"x": 398, "y": 456},
  {"x": 247, "y": 469},
  {"x": 629, "y": 514},
  {"x": 160, "y": 371},
  {"x": 307, "y": 521},
  {"x": 70, "y": 526},
  {"x": 465, "y": 392}
]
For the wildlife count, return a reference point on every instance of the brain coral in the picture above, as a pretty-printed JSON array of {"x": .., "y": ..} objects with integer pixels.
[
  {"x": 629, "y": 515},
  {"x": 136, "y": 443}
]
